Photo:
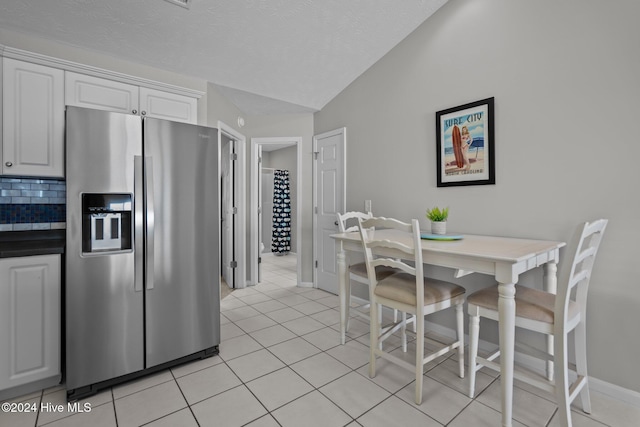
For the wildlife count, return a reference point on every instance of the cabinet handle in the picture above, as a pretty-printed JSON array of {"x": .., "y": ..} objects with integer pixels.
[
  {"x": 134, "y": 111},
  {"x": 8, "y": 164},
  {"x": 143, "y": 113}
]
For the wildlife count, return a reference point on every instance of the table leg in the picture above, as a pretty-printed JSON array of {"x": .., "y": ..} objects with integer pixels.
[
  {"x": 550, "y": 283},
  {"x": 342, "y": 292},
  {"x": 507, "y": 325}
]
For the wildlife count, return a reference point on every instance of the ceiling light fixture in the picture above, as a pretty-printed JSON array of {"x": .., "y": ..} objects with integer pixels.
[{"x": 184, "y": 3}]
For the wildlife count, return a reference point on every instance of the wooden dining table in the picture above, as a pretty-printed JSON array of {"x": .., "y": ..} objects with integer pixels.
[{"x": 505, "y": 258}]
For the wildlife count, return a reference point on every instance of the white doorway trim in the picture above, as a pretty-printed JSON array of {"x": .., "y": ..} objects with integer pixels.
[
  {"x": 254, "y": 249},
  {"x": 240, "y": 190}
]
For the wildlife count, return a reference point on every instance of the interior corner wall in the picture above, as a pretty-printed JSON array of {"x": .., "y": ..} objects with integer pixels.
[
  {"x": 565, "y": 80},
  {"x": 219, "y": 108}
]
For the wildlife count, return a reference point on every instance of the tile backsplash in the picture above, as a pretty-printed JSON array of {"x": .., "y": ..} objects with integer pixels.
[{"x": 32, "y": 204}]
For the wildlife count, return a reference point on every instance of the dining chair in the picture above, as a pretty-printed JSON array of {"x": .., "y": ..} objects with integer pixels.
[
  {"x": 348, "y": 222},
  {"x": 407, "y": 291},
  {"x": 551, "y": 314}
]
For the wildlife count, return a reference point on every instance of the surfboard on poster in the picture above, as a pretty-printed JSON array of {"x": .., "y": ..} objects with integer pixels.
[{"x": 456, "y": 139}]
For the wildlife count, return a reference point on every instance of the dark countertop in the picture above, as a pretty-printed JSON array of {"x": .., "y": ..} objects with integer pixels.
[{"x": 27, "y": 243}]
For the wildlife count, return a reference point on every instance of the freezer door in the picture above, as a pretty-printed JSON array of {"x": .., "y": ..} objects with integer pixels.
[
  {"x": 182, "y": 294},
  {"x": 104, "y": 313}
]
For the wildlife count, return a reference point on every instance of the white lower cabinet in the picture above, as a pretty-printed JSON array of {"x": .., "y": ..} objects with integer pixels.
[{"x": 29, "y": 319}]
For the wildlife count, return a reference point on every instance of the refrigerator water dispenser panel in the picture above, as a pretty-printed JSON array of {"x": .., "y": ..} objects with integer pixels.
[{"x": 106, "y": 223}]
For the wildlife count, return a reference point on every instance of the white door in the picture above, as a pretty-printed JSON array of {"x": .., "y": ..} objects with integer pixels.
[
  {"x": 228, "y": 211},
  {"x": 329, "y": 199}
]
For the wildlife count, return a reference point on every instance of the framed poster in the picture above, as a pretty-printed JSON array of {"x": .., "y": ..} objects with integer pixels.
[{"x": 466, "y": 146}]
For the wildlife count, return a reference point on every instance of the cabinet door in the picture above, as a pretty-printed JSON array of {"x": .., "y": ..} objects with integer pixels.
[
  {"x": 168, "y": 106},
  {"x": 33, "y": 120},
  {"x": 100, "y": 94},
  {"x": 29, "y": 319}
]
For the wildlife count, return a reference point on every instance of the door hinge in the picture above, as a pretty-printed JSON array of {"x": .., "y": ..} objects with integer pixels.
[
  {"x": 259, "y": 260},
  {"x": 315, "y": 209},
  {"x": 234, "y": 210},
  {"x": 316, "y": 264},
  {"x": 259, "y": 160},
  {"x": 233, "y": 264},
  {"x": 234, "y": 156},
  {"x": 315, "y": 155}
]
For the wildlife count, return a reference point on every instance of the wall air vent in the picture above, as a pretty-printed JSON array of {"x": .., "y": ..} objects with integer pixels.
[{"x": 184, "y": 3}]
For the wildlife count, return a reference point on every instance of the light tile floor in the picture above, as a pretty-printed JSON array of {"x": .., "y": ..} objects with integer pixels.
[{"x": 281, "y": 364}]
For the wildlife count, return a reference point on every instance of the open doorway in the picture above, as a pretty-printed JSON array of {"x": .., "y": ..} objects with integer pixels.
[
  {"x": 275, "y": 170},
  {"x": 232, "y": 207}
]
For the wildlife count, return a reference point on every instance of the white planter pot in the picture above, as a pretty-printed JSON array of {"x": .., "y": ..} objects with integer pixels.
[{"x": 439, "y": 227}]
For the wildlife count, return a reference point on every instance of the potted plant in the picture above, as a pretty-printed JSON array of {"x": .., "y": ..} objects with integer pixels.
[{"x": 438, "y": 218}]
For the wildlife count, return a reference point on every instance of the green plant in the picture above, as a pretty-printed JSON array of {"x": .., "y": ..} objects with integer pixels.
[{"x": 438, "y": 215}]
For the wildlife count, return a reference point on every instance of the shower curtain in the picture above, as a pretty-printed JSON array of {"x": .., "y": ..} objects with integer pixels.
[{"x": 281, "y": 235}]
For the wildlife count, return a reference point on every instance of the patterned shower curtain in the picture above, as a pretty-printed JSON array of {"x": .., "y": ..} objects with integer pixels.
[{"x": 281, "y": 234}]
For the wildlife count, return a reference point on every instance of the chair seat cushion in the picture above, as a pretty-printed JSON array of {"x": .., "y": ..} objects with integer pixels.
[
  {"x": 382, "y": 271},
  {"x": 530, "y": 303},
  {"x": 401, "y": 287}
]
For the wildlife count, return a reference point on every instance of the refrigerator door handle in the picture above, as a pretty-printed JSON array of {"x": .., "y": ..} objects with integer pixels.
[
  {"x": 150, "y": 220},
  {"x": 138, "y": 236}
]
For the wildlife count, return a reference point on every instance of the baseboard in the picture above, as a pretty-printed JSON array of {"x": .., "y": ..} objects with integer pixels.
[
  {"x": 305, "y": 285},
  {"x": 614, "y": 391},
  {"x": 29, "y": 388},
  {"x": 595, "y": 385}
]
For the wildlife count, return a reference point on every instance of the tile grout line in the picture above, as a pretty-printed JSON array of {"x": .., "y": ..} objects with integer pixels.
[
  {"x": 288, "y": 366},
  {"x": 356, "y": 371}
]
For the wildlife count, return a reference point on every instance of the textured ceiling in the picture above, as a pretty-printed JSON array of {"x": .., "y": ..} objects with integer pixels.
[{"x": 267, "y": 56}]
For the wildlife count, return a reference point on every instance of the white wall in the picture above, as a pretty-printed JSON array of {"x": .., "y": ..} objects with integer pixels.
[
  {"x": 565, "y": 80},
  {"x": 220, "y": 108}
]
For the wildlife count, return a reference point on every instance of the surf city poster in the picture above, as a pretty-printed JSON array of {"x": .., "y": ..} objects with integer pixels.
[{"x": 465, "y": 144}]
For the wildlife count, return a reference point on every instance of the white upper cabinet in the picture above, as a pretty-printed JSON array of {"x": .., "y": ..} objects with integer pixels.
[
  {"x": 33, "y": 120},
  {"x": 168, "y": 106},
  {"x": 34, "y": 95},
  {"x": 103, "y": 94},
  {"x": 100, "y": 94}
]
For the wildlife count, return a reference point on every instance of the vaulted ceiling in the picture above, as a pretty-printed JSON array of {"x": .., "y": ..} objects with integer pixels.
[{"x": 266, "y": 56}]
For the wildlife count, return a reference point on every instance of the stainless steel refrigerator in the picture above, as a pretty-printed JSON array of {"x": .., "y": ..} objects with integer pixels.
[{"x": 142, "y": 269}]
